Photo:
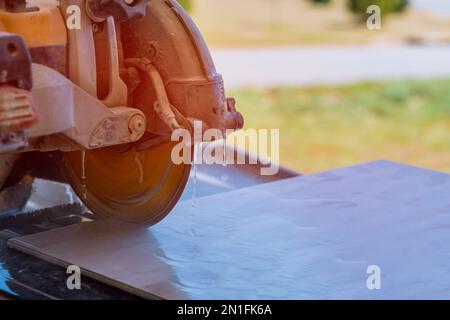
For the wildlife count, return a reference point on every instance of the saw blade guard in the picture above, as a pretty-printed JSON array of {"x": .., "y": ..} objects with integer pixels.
[{"x": 168, "y": 40}]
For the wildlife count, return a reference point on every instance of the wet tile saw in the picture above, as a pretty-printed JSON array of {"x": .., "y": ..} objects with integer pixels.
[{"x": 104, "y": 83}]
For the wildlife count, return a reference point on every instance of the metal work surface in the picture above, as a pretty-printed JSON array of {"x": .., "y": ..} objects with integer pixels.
[
  {"x": 310, "y": 237},
  {"x": 38, "y": 204}
]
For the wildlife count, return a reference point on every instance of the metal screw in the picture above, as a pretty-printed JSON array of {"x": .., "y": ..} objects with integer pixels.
[{"x": 137, "y": 124}]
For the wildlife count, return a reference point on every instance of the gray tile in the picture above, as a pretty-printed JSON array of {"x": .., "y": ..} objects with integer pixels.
[{"x": 310, "y": 237}]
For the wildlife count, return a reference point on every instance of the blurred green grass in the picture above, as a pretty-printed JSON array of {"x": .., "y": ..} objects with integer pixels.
[{"x": 325, "y": 127}]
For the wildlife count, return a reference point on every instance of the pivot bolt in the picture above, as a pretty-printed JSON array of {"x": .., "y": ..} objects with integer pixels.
[{"x": 137, "y": 124}]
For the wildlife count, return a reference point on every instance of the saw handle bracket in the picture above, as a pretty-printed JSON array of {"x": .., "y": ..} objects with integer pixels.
[
  {"x": 118, "y": 91},
  {"x": 120, "y": 10},
  {"x": 162, "y": 104}
]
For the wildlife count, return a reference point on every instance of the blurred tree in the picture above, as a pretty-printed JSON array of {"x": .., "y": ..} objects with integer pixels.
[
  {"x": 321, "y": 1},
  {"x": 186, "y": 4},
  {"x": 386, "y": 6}
]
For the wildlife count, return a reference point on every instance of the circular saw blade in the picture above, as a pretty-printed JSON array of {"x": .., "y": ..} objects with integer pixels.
[{"x": 137, "y": 187}]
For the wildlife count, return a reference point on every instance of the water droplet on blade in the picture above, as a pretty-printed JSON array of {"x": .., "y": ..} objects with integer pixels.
[
  {"x": 83, "y": 173},
  {"x": 224, "y": 141},
  {"x": 194, "y": 170},
  {"x": 137, "y": 158}
]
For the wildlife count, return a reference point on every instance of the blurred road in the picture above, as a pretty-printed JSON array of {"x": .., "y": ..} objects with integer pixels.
[
  {"x": 436, "y": 6},
  {"x": 268, "y": 67}
]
